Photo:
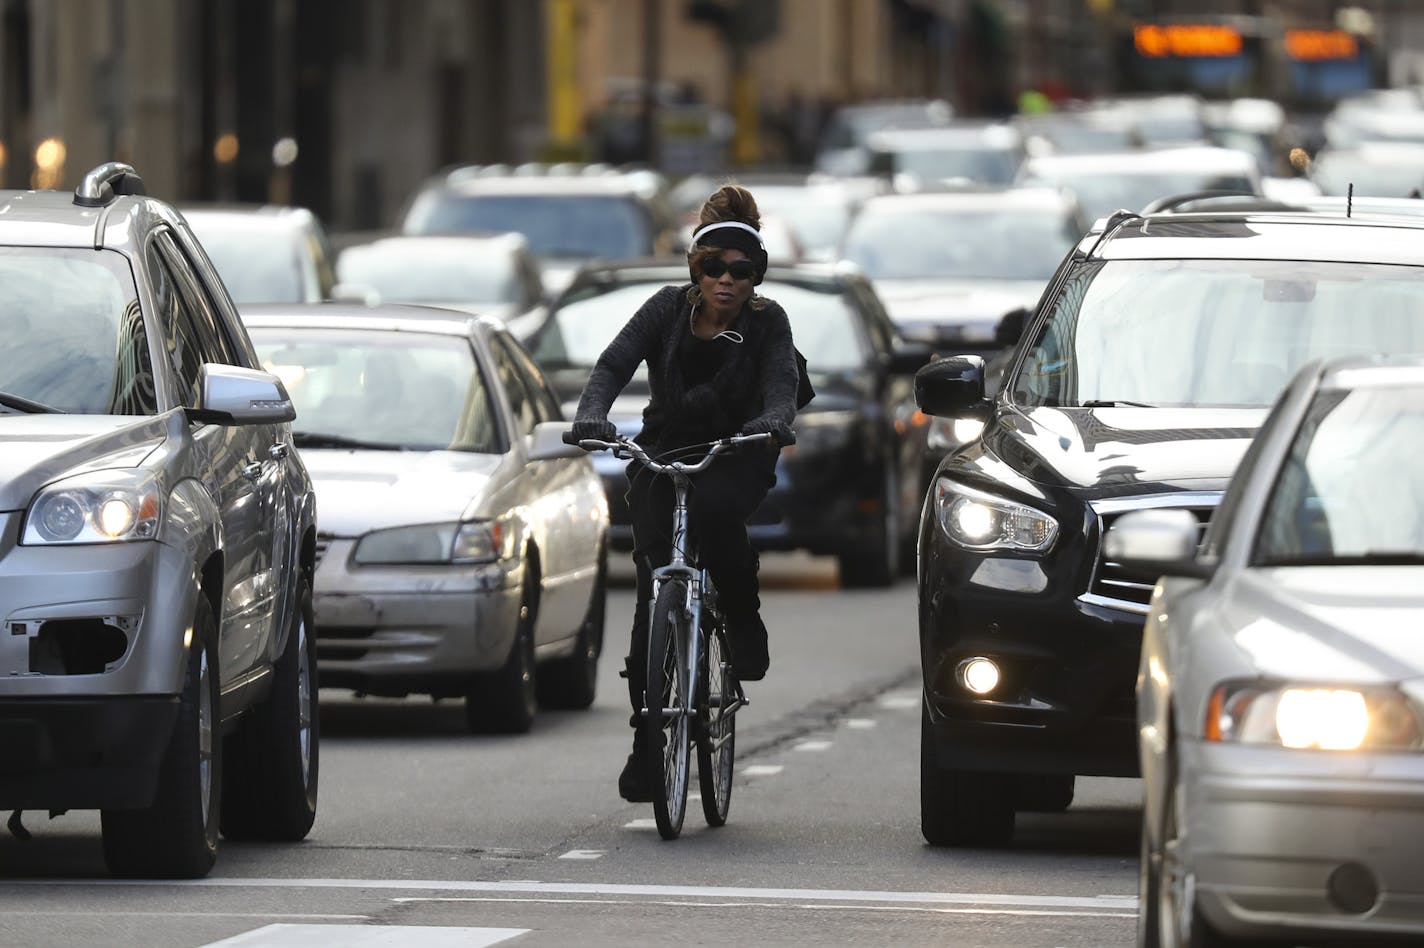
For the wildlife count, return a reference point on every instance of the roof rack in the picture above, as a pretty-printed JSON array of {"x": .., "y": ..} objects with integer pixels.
[
  {"x": 106, "y": 182},
  {"x": 1254, "y": 202},
  {"x": 1114, "y": 221}
]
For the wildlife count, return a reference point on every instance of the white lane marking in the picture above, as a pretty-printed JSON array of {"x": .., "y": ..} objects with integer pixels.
[
  {"x": 531, "y": 887},
  {"x": 813, "y": 746},
  {"x": 761, "y": 770},
  {"x": 900, "y": 702},
  {"x": 370, "y": 936},
  {"x": 583, "y": 854},
  {"x": 821, "y": 907},
  {"x": 306, "y": 916},
  {"x": 860, "y": 724},
  {"x": 641, "y": 824}
]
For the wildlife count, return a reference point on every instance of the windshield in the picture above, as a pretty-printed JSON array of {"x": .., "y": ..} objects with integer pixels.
[
  {"x": 981, "y": 165},
  {"x": 256, "y": 266},
  {"x": 1218, "y": 333},
  {"x": 394, "y": 390},
  {"x": 821, "y": 324},
  {"x": 71, "y": 332},
  {"x": 574, "y": 226},
  {"x": 431, "y": 274},
  {"x": 984, "y": 245},
  {"x": 818, "y": 215},
  {"x": 1352, "y": 488},
  {"x": 1101, "y": 194}
]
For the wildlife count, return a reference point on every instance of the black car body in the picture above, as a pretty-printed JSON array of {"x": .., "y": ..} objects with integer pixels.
[
  {"x": 1140, "y": 381},
  {"x": 851, "y": 486}
]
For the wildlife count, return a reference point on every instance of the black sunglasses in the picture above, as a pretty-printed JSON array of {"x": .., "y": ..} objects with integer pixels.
[{"x": 714, "y": 267}]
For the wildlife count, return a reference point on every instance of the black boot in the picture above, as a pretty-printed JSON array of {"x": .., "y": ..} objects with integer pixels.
[
  {"x": 747, "y": 635},
  {"x": 633, "y": 783}
]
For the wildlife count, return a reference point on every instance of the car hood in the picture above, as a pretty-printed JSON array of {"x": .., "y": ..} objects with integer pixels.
[
  {"x": 1123, "y": 450},
  {"x": 358, "y": 491},
  {"x": 938, "y": 301},
  {"x": 1339, "y": 623},
  {"x": 38, "y": 449}
]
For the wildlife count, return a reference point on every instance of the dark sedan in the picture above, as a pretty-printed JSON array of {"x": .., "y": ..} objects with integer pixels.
[{"x": 851, "y": 486}]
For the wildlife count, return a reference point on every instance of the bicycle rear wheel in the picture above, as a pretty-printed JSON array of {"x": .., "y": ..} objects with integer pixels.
[
  {"x": 667, "y": 723},
  {"x": 717, "y": 742}
]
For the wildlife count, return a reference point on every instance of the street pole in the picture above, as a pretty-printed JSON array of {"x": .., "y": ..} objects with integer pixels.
[{"x": 652, "y": 76}]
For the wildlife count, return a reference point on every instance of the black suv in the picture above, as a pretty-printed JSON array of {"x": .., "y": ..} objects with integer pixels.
[{"x": 1139, "y": 381}]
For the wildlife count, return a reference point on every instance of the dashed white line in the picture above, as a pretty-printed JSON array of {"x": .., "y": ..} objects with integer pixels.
[
  {"x": 583, "y": 854},
  {"x": 900, "y": 702},
  {"x": 813, "y": 746},
  {"x": 762, "y": 770},
  {"x": 860, "y": 724},
  {"x": 368, "y": 936},
  {"x": 641, "y": 824}
]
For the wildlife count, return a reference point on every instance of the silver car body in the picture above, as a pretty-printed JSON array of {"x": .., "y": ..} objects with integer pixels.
[
  {"x": 395, "y": 629},
  {"x": 1256, "y": 839}
]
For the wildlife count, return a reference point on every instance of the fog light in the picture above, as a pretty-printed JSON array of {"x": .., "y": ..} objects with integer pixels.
[{"x": 979, "y": 675}]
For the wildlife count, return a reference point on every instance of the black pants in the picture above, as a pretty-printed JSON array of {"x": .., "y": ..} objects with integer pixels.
[{"x": 722, "y": 499}]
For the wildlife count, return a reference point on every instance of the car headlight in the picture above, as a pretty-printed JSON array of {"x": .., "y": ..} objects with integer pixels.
[
  {"x": 478, "y": 541},
  {"x": 824, "y": 430},
  {"x": 979, "y": 521},
  {"x": 1311, "y": 717},
  {"x": 97, "y": 507},
  {"x": 946, "y": 434}
]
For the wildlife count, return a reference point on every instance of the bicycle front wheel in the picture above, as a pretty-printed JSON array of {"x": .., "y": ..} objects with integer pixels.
[
  {"x": 667, "y": 723},
  {"x": 717, "y": 744}
]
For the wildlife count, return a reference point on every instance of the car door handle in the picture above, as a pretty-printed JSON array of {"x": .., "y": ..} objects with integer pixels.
[
  {"x": 278, "y": 451},
  {"x": 252, "y": 470}
]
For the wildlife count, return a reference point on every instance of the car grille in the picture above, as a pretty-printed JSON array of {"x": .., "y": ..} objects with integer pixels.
[{"x": 1116, "y": 586}]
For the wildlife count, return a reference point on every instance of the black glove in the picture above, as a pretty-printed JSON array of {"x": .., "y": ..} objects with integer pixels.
[
  {"x": 594, "y": 429},
  {"x": 779, "y": 432}
]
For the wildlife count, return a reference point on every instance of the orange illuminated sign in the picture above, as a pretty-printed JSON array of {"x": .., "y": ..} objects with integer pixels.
[
  {"x": 1315, "y": 45},
  {"x": 1158, "y": 41}
]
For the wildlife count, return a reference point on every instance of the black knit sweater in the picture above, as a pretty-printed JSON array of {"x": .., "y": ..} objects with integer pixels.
[{"x": 755, "y": 383}]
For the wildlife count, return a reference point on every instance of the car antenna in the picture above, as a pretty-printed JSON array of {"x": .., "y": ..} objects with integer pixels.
[{"x": 1350, "y": 199}]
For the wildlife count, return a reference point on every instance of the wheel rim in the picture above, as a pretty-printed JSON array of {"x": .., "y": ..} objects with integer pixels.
[
  {"x": 304, "y": 699},
  {"x": 715, "y": 764},
  {"x": 675, "y": 733},
  {"x": 1176, "y": 886},
  {"x": 205, "y": 735},
  {"x": 526, "y": 659}
]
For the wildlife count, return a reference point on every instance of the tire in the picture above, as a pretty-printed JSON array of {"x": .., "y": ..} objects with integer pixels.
[
  {"x": 1148, "y": 898},
  {"x": 717, "y": 742},
  {"x": 1179, "y": 922},
  {"x": 505, "y": 701},
  {"x": 571, "y": 683},
  {"x": 668, "y": 737},
  {"x": 1044, "y": 793},
  {"x": 962, "y": 807},
  {"x": 876, "y": 563},
  {"x": 272, "y": 759},
  {"x": 176, "y": 837}
]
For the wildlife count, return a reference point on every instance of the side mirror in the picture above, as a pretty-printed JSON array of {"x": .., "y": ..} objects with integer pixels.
[
  {"x": 547, "y": 442},
  {"x": 952, "y": 386},
  {"x": 1011, "y": 326},
  {"x": 1157, "y": 543},
  {"x": 231, "y": 395}
]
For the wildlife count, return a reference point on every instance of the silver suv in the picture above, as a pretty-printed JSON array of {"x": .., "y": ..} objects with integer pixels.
[{"x": 156, "y": 540}]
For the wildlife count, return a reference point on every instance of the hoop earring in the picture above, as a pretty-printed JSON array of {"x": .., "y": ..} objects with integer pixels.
[
  {"x": 694, "y": 296},
  {"x": 757, "y": 302}
]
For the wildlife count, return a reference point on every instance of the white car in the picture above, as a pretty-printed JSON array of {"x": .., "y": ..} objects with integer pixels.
[
  {"x": 1280, "y": 697},
  {"x": 462, "y": 547}
]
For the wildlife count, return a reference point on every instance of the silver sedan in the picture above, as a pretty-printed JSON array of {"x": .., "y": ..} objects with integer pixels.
[
  {"x": 1281, "y": 687},
  {"x": 462, "y": 547}
]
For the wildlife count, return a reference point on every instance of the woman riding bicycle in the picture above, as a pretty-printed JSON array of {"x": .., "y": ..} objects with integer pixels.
[{"x": 721, "y": 362}]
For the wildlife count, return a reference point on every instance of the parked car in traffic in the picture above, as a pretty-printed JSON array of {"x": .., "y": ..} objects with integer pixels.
[
  {"x": 1139, "y": 382},
  {"x": 850, "y": 487},
  {"x": 266, "y": 253},
  {"x": 1281, "y": 719},
  {"x": 968, "y": 151},
  {"x": 488, "y": 274},
  {"x": 158, "y": 540},
  {"x": 569, "y": 215},
  {"x": 463, "y": 547}
]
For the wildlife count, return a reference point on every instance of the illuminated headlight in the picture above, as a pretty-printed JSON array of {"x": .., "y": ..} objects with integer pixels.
[
  {"x": 480, "y": 541},
  {"x": 1312, "y": 717},
  {"x": 98, "y": 507},
  {"x": 979, "y": 521},
  {"x": 824, "y": 430},
  {"x": 979, "y": 675},
  {"x": 946, "y": 434}
]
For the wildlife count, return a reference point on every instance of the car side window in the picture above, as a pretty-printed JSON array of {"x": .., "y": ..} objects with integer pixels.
[
  {"x": 510, "y": 379},
  {"x": 180, "y": 342},
  {"x": 206, "y": 322},
  {"x": 134, "y": 391},
  {"x": 541, "y": 398}
]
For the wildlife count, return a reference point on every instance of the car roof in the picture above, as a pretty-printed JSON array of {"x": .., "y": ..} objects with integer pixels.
[
  {"x": 1031, "y": 198},
  {"x": 616, "y": 185},
  {"x": 1203, "y": 158},
  {"x": 472, "y": 242},
  {"x": 1371, "y": 371},
  {"x": 53, "y": 219},
  {"x": 389, "y": 317},
  {"x": 961, "y": 134},
  {"x": 1271, "y": 236}
]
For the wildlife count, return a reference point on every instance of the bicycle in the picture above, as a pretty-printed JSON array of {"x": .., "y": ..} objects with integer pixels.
[{"x": 690, "y": 675}]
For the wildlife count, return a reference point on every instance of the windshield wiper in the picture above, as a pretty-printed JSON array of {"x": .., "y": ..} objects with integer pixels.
[
  {"x": 20, "y": 403},
  {"x": 1112, "y": 403},
  {"x": 317, "y": 439}
]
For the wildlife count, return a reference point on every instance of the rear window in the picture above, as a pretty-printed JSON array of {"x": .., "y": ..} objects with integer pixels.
[{"x": 557, "y": 226}]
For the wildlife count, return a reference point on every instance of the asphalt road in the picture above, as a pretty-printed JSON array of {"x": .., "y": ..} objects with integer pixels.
[{"x": 428, "y": 836}]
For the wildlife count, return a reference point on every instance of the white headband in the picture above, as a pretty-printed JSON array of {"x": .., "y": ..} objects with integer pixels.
[{"x": 737, "y": 224}]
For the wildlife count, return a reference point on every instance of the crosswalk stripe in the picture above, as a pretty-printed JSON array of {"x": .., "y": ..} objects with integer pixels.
[{"x": 368, "y": 936}]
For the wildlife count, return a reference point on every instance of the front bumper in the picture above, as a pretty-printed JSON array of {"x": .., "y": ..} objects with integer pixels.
[
  {"x": 1066, "y": 702},
  {"x": 1268, "y": 828},
  {"x": 400, "y": 629}
]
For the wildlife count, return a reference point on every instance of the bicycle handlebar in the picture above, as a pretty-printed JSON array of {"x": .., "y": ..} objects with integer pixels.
[{"x": 628, "y": 448}]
